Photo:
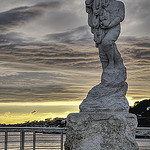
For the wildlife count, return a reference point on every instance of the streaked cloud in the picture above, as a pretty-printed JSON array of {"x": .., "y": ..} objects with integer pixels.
[
  {"x": 21, "y": 15},
  {"x": 77, "y": 35},
  {"x": 47, "y": 52}
]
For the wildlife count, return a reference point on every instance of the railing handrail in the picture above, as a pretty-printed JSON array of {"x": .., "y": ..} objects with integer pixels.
[
  {"x": 143, "y": 128},
  {"x": 54, "y": 128},
  {"x": 34, "y": 130},
  {"x": 31, "y": 129}
]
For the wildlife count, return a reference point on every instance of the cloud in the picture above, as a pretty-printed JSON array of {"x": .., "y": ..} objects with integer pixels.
[
  {"x": 75, "y": 35},
  {"x": 144, "y": 44},
  {"x": 141, "y": 54},
  {"x": 13, "y": 38},
  {"x": 135, "y": 48},
  {"x": 137, "y": 18},
  {"x": 69, "y": 50},
  {"x": 58, "y": 53},
  {"x": 14, "y": 18},
  {"x": 50, "y": 5},
  {"x": 5, "y": 72},
  {"x": 40, "y": 94}
]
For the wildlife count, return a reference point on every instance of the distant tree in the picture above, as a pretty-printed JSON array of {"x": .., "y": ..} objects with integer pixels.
[
  {"x": 142, "y": 111},
  {"x": 136, "y": 103},
  {"x": 56, "y": 122},
  {"x": 140, "y": 108}
]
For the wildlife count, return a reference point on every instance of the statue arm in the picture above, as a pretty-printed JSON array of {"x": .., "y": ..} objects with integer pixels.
[
  {"x": 115, "y": 22},
  {"x": 121, "y": 13},
  {"x": 120, "y": 17}
]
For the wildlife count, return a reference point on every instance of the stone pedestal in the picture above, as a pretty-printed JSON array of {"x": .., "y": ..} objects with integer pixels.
[
  {"x": 104, "y": 122},
  {"x": 101, "y": 131}
]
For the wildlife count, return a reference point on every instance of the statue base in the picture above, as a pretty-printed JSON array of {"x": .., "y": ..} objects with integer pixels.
[{"x": 101, "y": 131}]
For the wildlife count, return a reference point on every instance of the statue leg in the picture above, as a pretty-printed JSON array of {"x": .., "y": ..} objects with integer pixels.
[
  {"x": 109, "y": 47},
  {"x": 117, "y": 58},
  {"x": 103, "y": 57}
]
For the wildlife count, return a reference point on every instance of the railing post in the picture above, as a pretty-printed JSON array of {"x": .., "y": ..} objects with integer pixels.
[
  {"x": 62, "y": 140},
  {"x": 34, "y": 139},
  {"x": 6, "y": 139},
  {"x": 22, "y": 140}
]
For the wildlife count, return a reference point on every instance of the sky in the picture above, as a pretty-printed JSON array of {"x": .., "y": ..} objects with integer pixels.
[{"x": 48, "y": 59}]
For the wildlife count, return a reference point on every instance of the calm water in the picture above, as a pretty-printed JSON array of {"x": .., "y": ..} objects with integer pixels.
[{"x": 47, "y": 141}]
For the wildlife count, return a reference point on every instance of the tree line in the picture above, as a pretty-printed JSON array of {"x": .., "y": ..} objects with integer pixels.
[{"x": 142, "y": 110}]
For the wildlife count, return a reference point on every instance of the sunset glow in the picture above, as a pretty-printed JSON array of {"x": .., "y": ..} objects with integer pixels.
[{"x": 48, "y": 60}]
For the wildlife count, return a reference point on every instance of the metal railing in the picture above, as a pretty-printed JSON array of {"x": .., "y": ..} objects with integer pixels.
[
  {"x": 143, "y": 132},
  {"x": 31, "y": 138}
]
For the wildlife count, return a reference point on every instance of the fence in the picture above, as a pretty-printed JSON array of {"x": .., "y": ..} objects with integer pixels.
[
  {"x": 31, "y": 138},
  {"x": 143, "y": 132}
]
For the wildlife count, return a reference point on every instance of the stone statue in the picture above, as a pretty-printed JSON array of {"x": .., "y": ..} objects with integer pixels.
[
  {"x": 104, "y": 122},
  {"x": 104, "y": 17}
]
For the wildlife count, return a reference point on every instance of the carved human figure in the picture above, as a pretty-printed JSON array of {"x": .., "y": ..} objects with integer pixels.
[{"x": 104, "y": 17}]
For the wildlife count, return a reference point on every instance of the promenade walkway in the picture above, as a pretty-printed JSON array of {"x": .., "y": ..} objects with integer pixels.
[{"x": 144, "y": 144}]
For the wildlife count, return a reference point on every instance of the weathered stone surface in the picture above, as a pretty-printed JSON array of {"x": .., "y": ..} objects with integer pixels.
[
  {"x": 109, "y": 95},
  {"x": 101, "y": 131},
  {"x": 104, "y": 17},
  {"x": 104, "y": 122}
]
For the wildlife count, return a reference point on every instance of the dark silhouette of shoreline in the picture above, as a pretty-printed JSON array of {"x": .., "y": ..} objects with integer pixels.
[
  {"x": 56, "y": 122},
  {"x": 142, "y": 111}
]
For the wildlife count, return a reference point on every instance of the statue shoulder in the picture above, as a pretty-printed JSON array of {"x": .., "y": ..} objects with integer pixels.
[
  {"x": 120, "y": 3},
  {"x": 121, "y": 10}
]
